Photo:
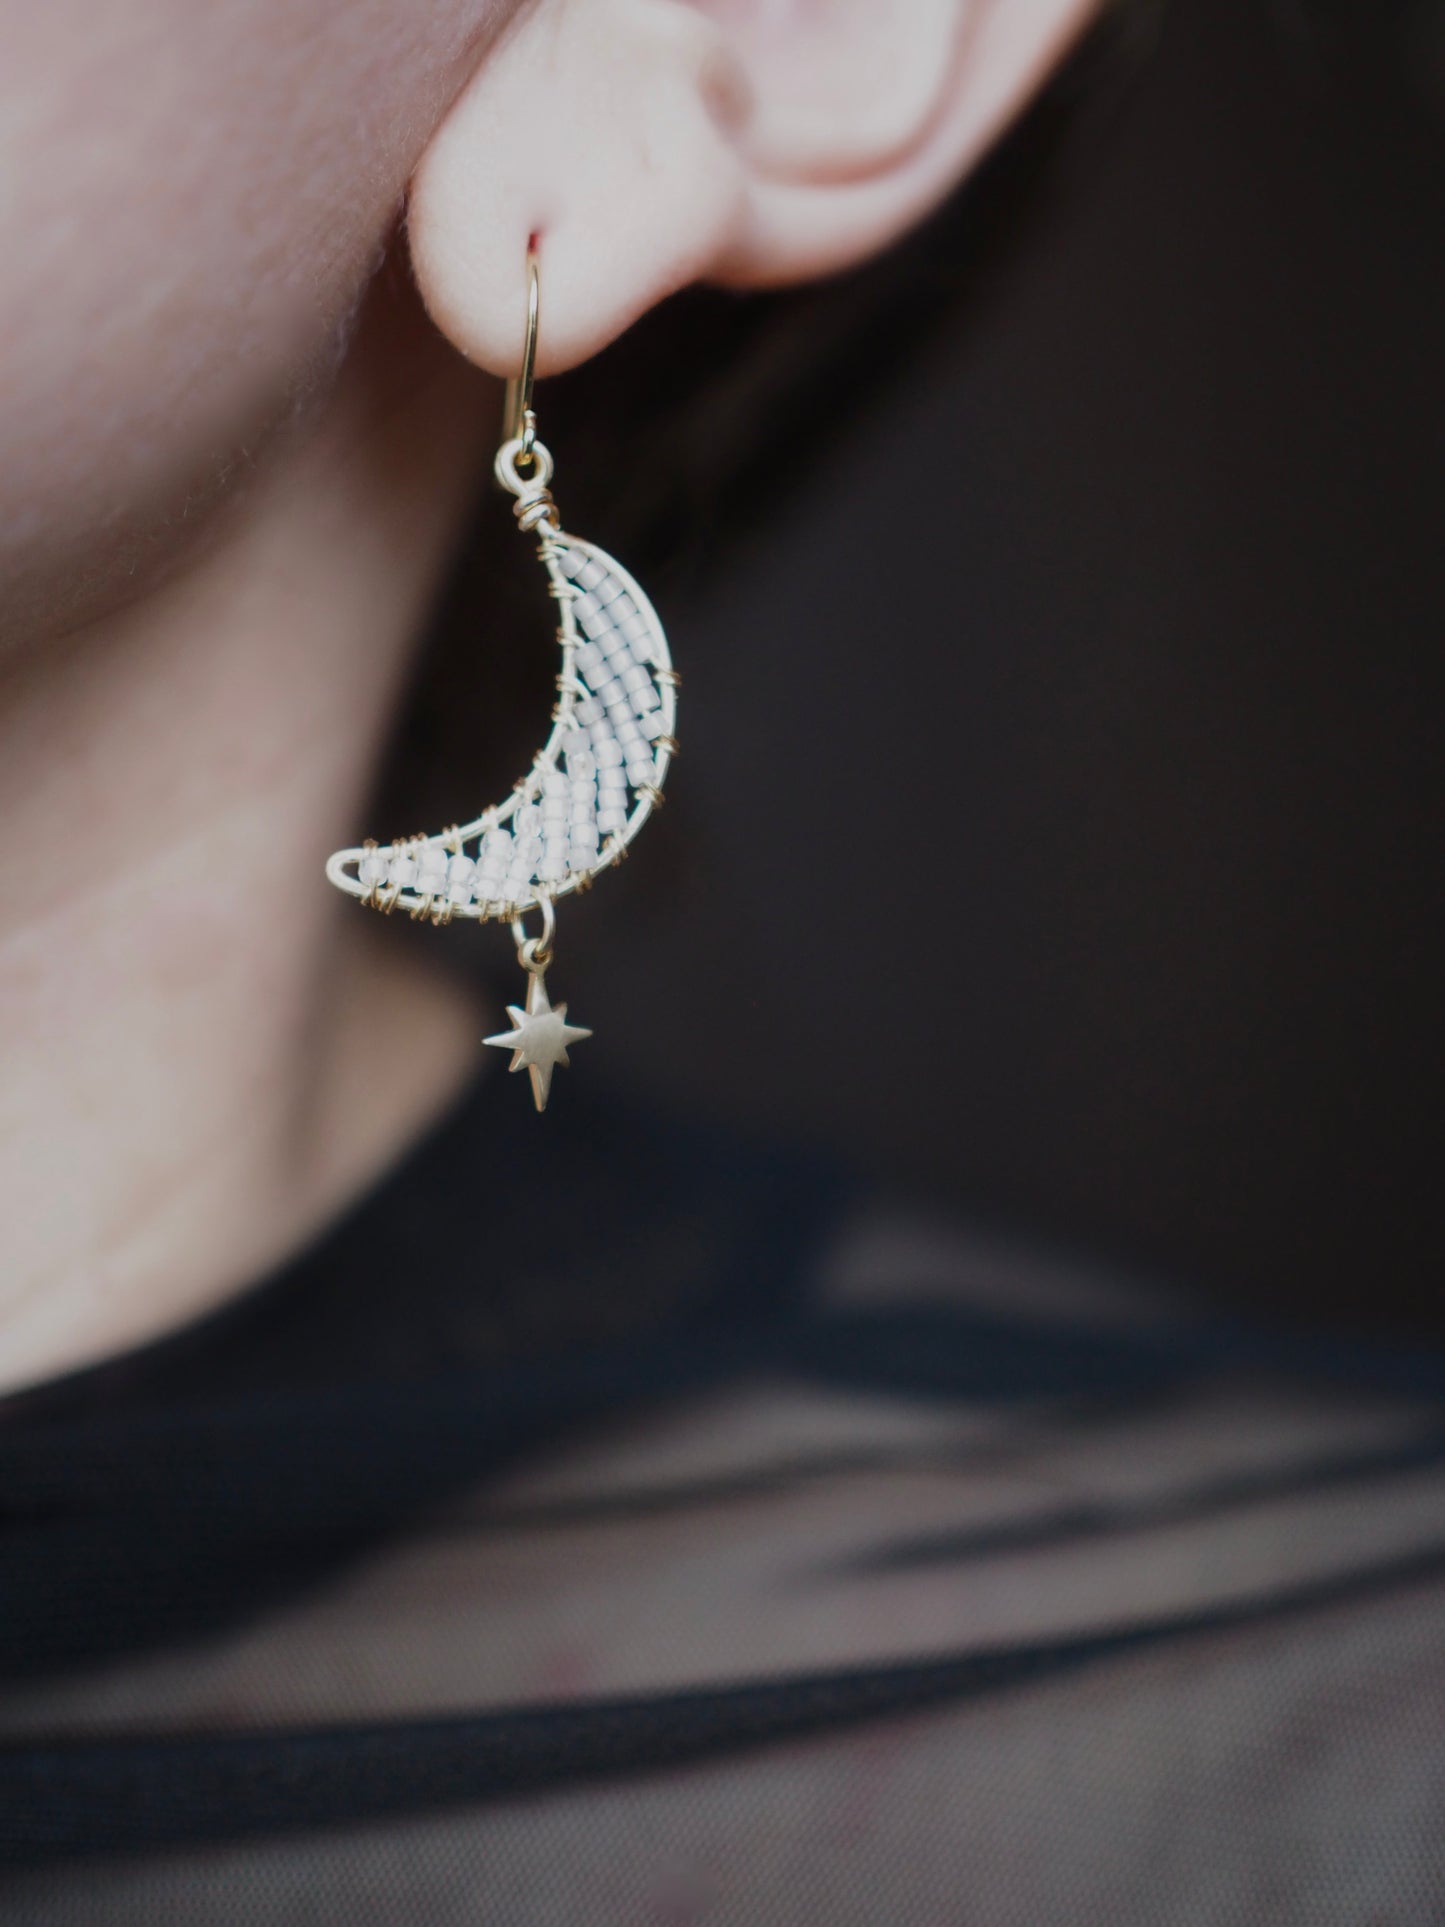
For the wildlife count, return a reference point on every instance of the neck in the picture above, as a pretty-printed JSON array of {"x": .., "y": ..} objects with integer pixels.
[{"x": 200, "y": 1057}]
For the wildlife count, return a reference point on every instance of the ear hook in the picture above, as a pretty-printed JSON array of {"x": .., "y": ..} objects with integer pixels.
[{"x": 519, "y": 424}]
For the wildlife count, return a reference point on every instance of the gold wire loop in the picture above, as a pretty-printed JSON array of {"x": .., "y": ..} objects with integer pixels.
[
  {"x": 519, "y": 424},
  {"x": 535, "y": 953},
  {"x": 534, "y": 483}
]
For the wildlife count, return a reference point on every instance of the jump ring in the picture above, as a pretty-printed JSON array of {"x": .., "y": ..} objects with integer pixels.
[
  {"x": 539, "y": 472},
  {"x": 535, "y": 953}
]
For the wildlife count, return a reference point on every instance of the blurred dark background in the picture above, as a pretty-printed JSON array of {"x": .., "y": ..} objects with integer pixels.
[{"x": 1059, "y": 608}]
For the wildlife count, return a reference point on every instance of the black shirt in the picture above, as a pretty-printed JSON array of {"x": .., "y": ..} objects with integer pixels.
[{"x": 628, "y": 1523}]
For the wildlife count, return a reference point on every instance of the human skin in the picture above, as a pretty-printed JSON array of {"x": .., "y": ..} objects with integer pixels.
[
  {"x": 194, "y": 200},
  {"x": 229, "y": 480},
  {"x": 233, "y": 459}
]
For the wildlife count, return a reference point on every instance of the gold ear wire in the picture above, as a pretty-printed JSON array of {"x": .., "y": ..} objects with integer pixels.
[{"x": 518, "y": 421}]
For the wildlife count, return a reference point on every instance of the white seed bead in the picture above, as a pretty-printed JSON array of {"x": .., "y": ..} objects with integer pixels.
[
  {"x": 609, "y": 691},
  {"x": 608, "y": 590},
  {"x": 527, "y": 819},
  {"x": 627, "y": 731},
  {"x": 528, "y": 849},
  {"x": 623, "y": 607},
  {"x": 641, "y": 772},
  {"x": 460, "y": 872},
  {"x": 588, "y": 710},
  {"x": 401, "y": 871},
  {"x": 590, "y": 574},
  {"x": 610, "y": 820},
  {"x": 635, "y": 677},
  {"x": 372, "y": 868},
  {"x": 597, "y": 622},
  {"x": 554, "y": 783},
  {"x": 573, "y": 562},
  {"x": 634, "y": 627},
  {"x": 431, "y": 862},
  {"x": 645, "y": 701},
  {"x": 581, "y": 767},
  {"x": 591, "y": 663},
  {"x": 554, "y": 863},
  {"x": 606, "y": 748}
]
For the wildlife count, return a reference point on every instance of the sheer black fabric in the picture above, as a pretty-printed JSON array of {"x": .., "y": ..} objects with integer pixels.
[{"x": 1195, "y": 1498}]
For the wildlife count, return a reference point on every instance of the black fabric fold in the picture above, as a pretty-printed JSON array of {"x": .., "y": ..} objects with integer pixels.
[{"x": 146, "y": 1794}]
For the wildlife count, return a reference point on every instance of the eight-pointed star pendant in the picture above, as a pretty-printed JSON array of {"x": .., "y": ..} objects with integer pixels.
[{"x": 538, "y": 1038}]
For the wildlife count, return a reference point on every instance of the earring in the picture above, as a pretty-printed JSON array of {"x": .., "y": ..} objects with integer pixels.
[{"x": 589, "y": 790}]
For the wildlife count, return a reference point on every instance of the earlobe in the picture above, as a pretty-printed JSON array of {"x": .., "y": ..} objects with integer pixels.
[
  {"x": 605, "y": 128},
  {"x": 651, "y": 143}
]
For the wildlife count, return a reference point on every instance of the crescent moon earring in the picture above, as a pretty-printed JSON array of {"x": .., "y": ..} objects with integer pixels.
[{"x": 592, "y": 786}]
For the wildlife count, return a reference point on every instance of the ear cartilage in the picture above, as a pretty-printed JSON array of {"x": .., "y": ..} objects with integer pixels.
[{"x": 592, "y": 786}]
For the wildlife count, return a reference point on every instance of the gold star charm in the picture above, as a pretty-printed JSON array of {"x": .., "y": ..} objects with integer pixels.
[{"x": 538, "y": 1038}]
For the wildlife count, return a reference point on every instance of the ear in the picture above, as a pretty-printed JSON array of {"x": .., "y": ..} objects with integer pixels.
[{"x": 650, "y": 143}]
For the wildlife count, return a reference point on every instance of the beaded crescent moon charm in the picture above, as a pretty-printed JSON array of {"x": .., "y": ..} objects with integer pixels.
[{"x": 590, "y": 789}]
